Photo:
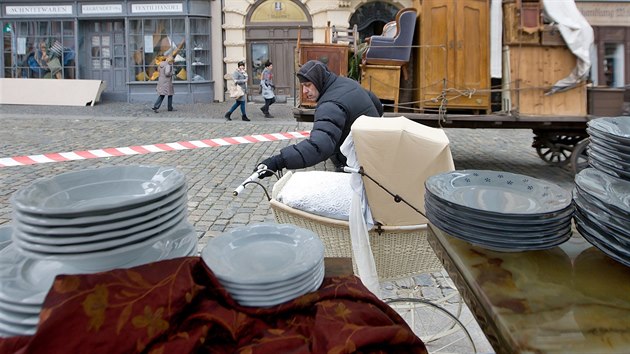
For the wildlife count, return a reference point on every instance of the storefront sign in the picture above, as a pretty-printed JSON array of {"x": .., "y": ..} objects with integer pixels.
[
  {"x": 154, "y": 8},
  {"x": 101, "y": 9},
  {"x": 605, "y": 14},
  {"x": 39, "y": 10}
]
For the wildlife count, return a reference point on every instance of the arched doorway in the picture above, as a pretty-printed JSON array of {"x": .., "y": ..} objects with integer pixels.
[
  {"x": 371, "y": 17},
  {"x": 272, "y": 29}
]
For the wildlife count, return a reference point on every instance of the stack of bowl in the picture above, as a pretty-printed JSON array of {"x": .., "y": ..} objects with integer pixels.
[
  {"x": 264, "y": 265},
  {"x": 89, "y": 221}
]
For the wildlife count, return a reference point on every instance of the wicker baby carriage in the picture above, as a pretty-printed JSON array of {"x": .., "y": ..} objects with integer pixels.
[{"x": 400, "y": 251}]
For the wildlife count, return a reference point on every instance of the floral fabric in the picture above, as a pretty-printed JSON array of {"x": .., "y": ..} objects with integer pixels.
[{"x": 178, "y": 306}]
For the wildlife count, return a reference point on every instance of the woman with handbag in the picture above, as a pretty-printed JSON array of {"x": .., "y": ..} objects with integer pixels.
[{"x": 240, "y": 81}]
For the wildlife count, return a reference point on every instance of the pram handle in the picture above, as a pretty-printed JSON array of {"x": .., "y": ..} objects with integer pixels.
[{"x": 254, "y": 176}]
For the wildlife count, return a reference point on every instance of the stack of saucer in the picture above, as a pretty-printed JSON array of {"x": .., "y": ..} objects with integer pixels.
[
  {"x": 609, "y": 148},
  {"x": 603, "y": 212},
  {"x": 499, "y": 210},
  {"x": 264, "y": 265},
  {"x": 89, "y": 221}
]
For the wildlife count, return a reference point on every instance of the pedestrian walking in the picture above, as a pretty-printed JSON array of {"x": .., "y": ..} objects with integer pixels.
[
  {"x": 240, "y": 78},
  {"x": 165, "y": 83},
  {"x": 340, "y": 101},
  {"x": 267, "y": 88}
]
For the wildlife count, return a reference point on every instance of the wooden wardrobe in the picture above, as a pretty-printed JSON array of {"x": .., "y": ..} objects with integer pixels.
[{"x": 454, "y": 54}]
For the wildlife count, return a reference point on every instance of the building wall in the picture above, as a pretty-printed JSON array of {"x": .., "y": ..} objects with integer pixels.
[{"x": 321, "y": 11}]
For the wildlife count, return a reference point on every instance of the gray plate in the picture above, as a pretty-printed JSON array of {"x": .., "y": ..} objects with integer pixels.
[
  {"x": 513, "y": 229},
  {"x": 612, "y": 191},
  {"x": 498, "y": 192},
  {"x": 263, "y": 253},
  {"x": 614, "y": 127},
  {"x": 97, "y": 191}
]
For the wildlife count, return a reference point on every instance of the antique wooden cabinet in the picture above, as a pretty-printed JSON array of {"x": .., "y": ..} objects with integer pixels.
[
  {"x": 454, "y": 54},
  {"x": 335, "y": 56}
]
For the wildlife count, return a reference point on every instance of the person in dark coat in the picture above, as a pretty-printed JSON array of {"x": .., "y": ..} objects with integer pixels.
[
  {"x": 340, "y": 101},
  {"x": 266, "y": 88},
  {"x": 165, "y": 83}
]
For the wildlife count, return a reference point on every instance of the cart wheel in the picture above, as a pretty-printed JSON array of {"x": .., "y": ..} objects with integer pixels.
[
  {"x": 555, "y": 148},
  {"x": 579, "y": 158},
  {"x": 440, "y": 330}
]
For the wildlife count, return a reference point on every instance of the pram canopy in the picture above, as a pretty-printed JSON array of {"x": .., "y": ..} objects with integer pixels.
[{"x": 400, "y": 155}]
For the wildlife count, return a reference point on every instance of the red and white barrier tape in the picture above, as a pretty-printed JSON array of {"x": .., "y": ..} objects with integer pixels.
[{"x": 147, "y": 149}]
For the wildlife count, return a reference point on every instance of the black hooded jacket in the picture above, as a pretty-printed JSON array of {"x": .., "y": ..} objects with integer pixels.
[{"x": 341, "y": 101}]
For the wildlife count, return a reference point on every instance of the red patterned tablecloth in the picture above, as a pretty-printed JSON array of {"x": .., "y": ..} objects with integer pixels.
[{"x": 178, "y": 306}]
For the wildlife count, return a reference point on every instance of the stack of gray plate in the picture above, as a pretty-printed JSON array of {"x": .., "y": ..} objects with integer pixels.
[
  {"x": 609, "y": 148},
  {"x": 264, "y": 265},
  {"x": 499, "y": 210},
  {"x": 603, "y": 212},
  {"x": 89, "y": 221}
]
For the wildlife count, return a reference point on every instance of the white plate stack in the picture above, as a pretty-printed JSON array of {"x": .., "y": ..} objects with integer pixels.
[
  {"x": 602, "y": 215},
  {"x": 609, "y": 147},
  {"x": 85, "y": 222},
  {"x": 499, "y": 210},
  {"x": 264, "y": 265}
]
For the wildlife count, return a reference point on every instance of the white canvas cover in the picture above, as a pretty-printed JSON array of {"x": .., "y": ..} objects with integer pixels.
[
  {"x": 400, "y": 155},
  {"x": 577, "y": 33}
]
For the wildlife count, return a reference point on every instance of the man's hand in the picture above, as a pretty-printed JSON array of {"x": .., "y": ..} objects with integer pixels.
[{"x": 272, "y": 164}]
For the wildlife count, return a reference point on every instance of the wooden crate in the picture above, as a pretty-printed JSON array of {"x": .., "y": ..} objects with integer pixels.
[
  {"x": 605, "y": 101},
  {"x": 512, "y": 32},
  {"x": 552, "y": 36},
  {"x": 533, "y": 70}
]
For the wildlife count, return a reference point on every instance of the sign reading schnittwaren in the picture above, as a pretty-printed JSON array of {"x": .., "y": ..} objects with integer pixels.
[
  {"x": 39, "y": 10},
  {"x": 153, "y": 8}
]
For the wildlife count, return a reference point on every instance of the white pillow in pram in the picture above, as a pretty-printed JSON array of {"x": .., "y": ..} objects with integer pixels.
[{"x": 322, "y": 193}]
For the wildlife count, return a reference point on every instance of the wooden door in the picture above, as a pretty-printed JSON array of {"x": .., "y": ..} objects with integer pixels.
[
  {"x": 472, "y": 53},
  {"x": 106, "y": 55},
  {"x": 437, "y": 33}
]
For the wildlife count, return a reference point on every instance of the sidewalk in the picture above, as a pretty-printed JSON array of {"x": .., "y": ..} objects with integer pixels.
[
  {"x": 213, "y": 173},
  {"x": 197, "y": 112}
]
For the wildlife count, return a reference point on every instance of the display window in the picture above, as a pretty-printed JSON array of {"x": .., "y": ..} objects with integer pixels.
[
  {"x": 150, "y": 41},
  {"x": 39, "y": 49}
]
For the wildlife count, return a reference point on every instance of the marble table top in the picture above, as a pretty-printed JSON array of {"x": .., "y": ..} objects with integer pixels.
[{"x": 568, "y": 299}]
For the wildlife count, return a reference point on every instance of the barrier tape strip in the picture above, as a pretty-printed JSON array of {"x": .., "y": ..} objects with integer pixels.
[{"x": 148, "y": 149}]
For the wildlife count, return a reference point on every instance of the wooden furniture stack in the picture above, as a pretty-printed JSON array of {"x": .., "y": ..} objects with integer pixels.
[
  {"x": 535, "y": 57},
  {"x": 454, "y": 56}
]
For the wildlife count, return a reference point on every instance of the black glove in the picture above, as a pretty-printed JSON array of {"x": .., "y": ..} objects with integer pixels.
[{"x": 273, "y": 163}]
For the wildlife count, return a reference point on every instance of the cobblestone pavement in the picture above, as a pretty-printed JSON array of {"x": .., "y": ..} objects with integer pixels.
[{"x": 213, "y": 173}]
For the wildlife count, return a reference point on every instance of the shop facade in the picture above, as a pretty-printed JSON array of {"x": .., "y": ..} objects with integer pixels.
[
  {"x": 116, "y": 42},
  {"x": 611, "y": 56}
]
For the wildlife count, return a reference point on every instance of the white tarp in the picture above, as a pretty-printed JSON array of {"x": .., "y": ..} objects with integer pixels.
[
  {"x": 577, "y": 33},
  {"x": 496, "y": 35}
]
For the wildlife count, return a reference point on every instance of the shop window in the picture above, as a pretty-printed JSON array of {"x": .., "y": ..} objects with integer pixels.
[
  {"x": 260, "y": 54},
  {"x": 39, "y": 49},
  {"x": 613, "y": 64},
  {"x": 200, "y": 51},
  {"x": 151, "y": 39}
]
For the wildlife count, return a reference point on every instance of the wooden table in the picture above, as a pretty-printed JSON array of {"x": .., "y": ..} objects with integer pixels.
[{"x": 568, "y": 299}]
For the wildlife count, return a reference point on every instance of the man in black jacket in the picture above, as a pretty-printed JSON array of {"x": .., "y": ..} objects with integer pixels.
[{"x": 340, "y": 101}]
